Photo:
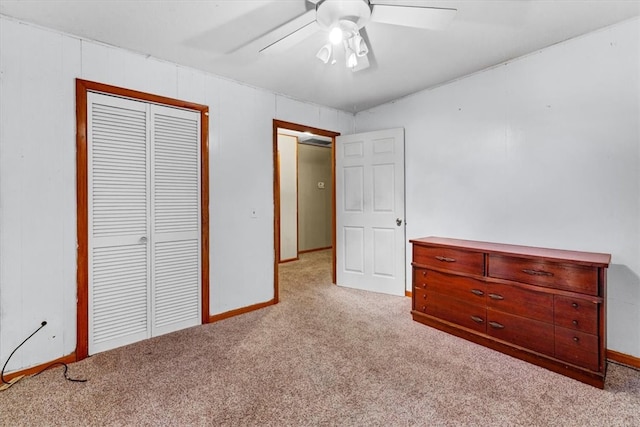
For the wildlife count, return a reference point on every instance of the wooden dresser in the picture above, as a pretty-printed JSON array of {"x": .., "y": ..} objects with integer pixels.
[{"x": 545, "y": 306}]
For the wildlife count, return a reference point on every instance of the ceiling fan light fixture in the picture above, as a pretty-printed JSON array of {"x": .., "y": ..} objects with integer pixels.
[
  {"x": 359, "y": 45},
  {"x": 352, "y": 58},
  {"x": 336, "y": 35},
  {"x": 324, "y": 54},
  {"x": 329, "y": 12}
]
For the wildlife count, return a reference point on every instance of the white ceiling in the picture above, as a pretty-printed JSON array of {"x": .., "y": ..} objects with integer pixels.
[{"x": 219, "y": 37}]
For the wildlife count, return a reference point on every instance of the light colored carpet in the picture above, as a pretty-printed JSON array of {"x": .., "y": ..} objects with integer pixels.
[{"x": 324, "y": 356}]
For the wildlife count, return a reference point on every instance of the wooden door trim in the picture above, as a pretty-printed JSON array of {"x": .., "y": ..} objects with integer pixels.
[
  {"x": 82, "y": 87},
  {"x": 276, "y": 194}
]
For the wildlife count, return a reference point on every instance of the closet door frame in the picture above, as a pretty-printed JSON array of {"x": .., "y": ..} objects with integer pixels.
[{"x": 82, "y": 88}]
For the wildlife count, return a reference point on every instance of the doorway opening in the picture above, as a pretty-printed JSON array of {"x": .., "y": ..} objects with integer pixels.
[{"x": 290, "y": 246}]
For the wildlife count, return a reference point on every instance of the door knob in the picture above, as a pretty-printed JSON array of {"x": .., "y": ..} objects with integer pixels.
[{"x": 398, "y": 222}]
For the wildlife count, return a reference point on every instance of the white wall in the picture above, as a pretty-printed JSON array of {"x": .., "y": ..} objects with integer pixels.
[
  {"x": 542, "y": 151},
  {"x": 288, "y": 165},
  {"x": 38, "y": 68}
]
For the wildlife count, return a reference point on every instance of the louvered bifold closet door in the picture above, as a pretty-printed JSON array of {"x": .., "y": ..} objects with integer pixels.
[
  {"x": 118, "y": 201},
  {"x": 175, "y": 198}
]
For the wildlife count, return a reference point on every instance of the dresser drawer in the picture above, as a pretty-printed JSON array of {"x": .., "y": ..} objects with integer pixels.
[
  {"x": 527, "y": 333},
  {"x": 449, "y": 259},
  {"x": 577, "y": 348},
  {"x": 576, "y": 313},
  {"x": 452, "y": 310},
  {"x": 419, "y": 298},
  {"x": 520, "y": 301},
  {"x": 571, "y": 277},
  {"x": 459, "y": 287}
]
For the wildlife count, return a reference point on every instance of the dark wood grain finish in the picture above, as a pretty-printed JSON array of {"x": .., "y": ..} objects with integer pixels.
[
  {"x": 469, "y": 315},
  {"x": 587, "y": 376},
  {"x": 539, "y": 272},
  {"x": 82, "y": 224},
  {"x": 577, "y": 347},
  {"x": 576, "y": 313},
  {"x": 449, "y": 259},
  {"x": 419, "y": 299},
  {"x": 204, "y": 212},
  {"x": 462, "y": 288},
  {"x": 545, "y": 306},
  {"x": 520, "y": 301},
  {"x": 591, "y": 259},
  {"x": 529, "y": 333}
]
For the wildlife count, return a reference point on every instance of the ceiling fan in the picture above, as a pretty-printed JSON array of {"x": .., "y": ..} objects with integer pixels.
[{"x": 343, "y": 20}]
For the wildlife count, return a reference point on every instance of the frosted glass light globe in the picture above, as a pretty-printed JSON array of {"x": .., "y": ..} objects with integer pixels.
[{"x": 335, "y": 35}]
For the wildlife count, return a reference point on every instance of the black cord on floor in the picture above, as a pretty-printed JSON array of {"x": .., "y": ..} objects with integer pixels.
[
  {"x": 66, "y": 376},
  {"x": 42, "y": 325}
]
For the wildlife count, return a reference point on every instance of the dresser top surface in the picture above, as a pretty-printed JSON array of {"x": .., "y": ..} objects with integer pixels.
[{"x": 589, "y": 258}]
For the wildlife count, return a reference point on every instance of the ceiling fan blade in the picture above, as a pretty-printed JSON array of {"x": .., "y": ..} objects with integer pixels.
[
  {"x": 429, "y": 18},
  {"x": 289, "y": 34}
]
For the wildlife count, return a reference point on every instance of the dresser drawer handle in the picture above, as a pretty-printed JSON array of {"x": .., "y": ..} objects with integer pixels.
[
  {"x": 477, "y": 319},
  {"x": 575, "y": 322},
  {"x": 537, "y": 272},
  {"x": 496, "y": 297},
  {"x": 496, "y": 325},
  {"x": 424, "y": 296},
  {"x": 574, "y": 305},
  {"x": 477, "y": 292},
  {"x": 576, "y": 339},
  {"x": 445, "y": 259},
  {"x": 424, "y": 273}
]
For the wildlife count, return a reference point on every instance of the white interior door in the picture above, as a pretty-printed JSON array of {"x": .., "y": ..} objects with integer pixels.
[
  {"x": 370, "y": 227},
  {"x": 175, "y": 218},
  {"x": 118, "y": 155},
  {"x": 144, "y": 220}
]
